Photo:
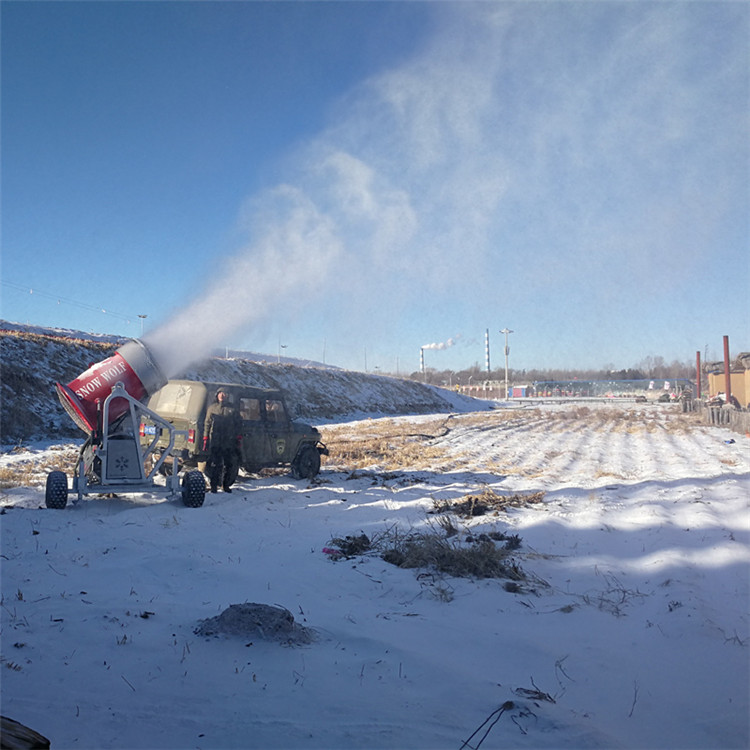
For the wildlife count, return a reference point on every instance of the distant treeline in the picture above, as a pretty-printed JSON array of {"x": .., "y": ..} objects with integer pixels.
[{"x": 656, "y": 368}]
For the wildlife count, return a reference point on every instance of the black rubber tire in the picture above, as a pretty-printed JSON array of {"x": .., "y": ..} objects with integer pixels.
[
  {"x": 56, "y": 491},
  {"x": 193, "y": 489},
  {"x": 307, "y": 463}
]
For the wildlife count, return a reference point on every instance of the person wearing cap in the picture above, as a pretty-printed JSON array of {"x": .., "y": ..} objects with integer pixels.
[{"x": 222, "y": 433}]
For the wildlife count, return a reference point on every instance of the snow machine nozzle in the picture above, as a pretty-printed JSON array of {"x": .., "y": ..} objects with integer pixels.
[{"x": 132, "y": 365}]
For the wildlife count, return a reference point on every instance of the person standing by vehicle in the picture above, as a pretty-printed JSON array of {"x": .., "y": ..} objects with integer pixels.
[{"x": 222, "y": 433}]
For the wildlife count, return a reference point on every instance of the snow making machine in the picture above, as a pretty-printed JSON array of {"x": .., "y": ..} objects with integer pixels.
[{"x": 107, "y": 403}]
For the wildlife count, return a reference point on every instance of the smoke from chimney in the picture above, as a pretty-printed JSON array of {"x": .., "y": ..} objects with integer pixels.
[{"x": 442, "y": 345}]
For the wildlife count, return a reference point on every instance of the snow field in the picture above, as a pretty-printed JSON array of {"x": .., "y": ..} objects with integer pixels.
[{"x": 634, "y": 618}]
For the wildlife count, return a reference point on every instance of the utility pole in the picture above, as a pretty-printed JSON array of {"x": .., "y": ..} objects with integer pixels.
[
  {"x": 727, "y": 373},
  {"x": 487, "y": 351},
  {"x": 506, "y": 331}
]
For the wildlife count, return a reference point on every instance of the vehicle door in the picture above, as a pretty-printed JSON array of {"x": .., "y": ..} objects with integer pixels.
[
  {"x": 277, "y": 430},
  {"x": 254, "y": 438}
]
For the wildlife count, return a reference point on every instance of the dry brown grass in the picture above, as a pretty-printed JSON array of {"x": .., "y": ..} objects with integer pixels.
[
  {"x": 388, "y": 444},
  {"x": 497, "y": 416},
  {"x": 481, "y": 558},
  {"x": 32, "y": 471},
  {"x": 666, "y": 418},
  {"x": 393, "y": 445},
  {"x": 487, "y": 501},
  {"x": 470, "y": 557}
]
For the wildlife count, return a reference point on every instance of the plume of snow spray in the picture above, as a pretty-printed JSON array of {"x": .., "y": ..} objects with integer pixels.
[
  {"x": 364, "y": 196},
  {"x": 440, "y": 156},
  {"x": 289, "y": 259}
]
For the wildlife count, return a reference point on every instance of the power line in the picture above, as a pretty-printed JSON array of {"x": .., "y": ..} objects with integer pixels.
[{"x": 68, "y": 301}]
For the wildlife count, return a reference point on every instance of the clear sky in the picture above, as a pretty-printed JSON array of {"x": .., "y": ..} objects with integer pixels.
[{"x": 354, "y": 181}]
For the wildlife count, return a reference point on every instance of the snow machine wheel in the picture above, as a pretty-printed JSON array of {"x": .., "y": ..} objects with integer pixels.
[
  {"x": 56, "y": 492},
  {"x": 193, "y": 489},
  {"x": 307, "y": 463}
]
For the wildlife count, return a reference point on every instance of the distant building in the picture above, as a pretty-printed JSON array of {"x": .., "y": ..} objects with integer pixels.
[
  {"x": 644, "y": 388},
  {"x": 739, "y": 374}
]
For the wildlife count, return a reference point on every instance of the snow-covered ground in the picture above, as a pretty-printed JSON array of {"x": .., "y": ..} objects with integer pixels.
[{"x": 629, "y": 630}]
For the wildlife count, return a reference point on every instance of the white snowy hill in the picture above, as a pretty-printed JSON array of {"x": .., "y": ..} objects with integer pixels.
[{"x": 35, "y": 358}]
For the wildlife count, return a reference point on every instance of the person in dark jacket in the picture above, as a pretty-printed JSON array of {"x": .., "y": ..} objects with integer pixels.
[{"x": 222, "y": 435}]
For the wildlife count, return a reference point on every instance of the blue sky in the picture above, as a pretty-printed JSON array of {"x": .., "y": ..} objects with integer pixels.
[{"x": 357, "y": 180}]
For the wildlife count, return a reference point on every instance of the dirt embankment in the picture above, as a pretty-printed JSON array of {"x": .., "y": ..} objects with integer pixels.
[{"x": 32, "y": 363}]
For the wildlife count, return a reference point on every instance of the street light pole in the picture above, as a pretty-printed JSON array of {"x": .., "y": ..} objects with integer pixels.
[
  {"x": 142, "y": 317},
  {"x": 506, "y": 331}
]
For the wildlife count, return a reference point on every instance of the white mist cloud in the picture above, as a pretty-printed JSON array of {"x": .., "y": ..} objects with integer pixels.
[
  {"x": 399, "y": 183},
  {"x": 290, "y": 257},
  {"x": 522, "y": 143}
]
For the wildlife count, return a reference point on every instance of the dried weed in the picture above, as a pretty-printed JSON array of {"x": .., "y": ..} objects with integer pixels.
[
  {"x": 625, "y": 420},
  {"x": 487, "y": 501},
  {"x": 471, "y": 557},
  {"x": 479, "y": 558},
  {"x": 395, "y": 445},
  {"x": 387, "y": 444},
  {"x": 32, "y": 471}
]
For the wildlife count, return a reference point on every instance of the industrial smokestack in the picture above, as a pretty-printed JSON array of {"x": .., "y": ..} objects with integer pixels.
[
  {"x": 698, "y": 374},
  {"x": 132, "y": 365},
  {"x": 727, "y": 372}
]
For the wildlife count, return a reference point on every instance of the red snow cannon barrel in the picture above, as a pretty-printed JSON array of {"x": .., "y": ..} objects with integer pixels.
[{"x": 132, "y": 365}]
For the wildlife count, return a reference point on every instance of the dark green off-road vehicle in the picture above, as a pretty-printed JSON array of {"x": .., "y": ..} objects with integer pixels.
[{"x": 269, "y": 436}]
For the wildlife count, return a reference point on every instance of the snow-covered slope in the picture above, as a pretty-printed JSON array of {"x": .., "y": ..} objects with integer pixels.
[{"x": 33, "y": 361}]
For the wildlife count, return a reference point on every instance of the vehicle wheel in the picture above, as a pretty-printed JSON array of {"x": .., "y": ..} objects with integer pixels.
[
  {"x": 307, "y": 463},
  {"x": 56, "y": 492},
  {"x": 193, "y": 489}
]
